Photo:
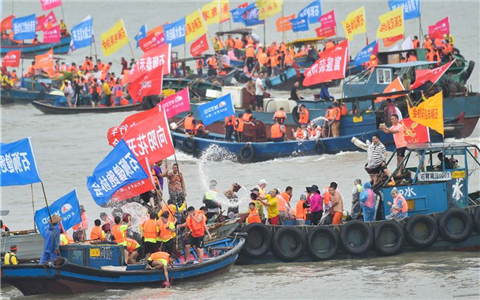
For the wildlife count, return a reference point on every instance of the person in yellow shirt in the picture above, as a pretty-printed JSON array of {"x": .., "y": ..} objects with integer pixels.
[
  {"x": 10, "y": 258},
  {"x": 107, "y": 93},
  {"x": 271, "y": 202}
]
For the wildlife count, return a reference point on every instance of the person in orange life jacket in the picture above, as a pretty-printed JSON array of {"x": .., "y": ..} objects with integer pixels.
[
  {"x": 277, "y": 132},
  {"x": 97, "y": 234},
  {"x": 150, "y": 231},
  {"x": 199, "y": 64},
  {"x": 119, "y": 233},
  {"x": 247, "y": 116},
  {"x": 301, "y": 210},
  {"x": 160, "y": 260},
  {"x": 212, "y": 66},
  {"x": 314, "y": 131},
  {"x": 253, "y": 215},
  {"x": 100, "y": 65},
  {"x": 337, "y": 204},
  {"x": 300, "y": 133},
  {"x": 196, "y": 222},
  {"x": 416, "y": 42},
  {"x": 399, "y": 210},
  {"x": 335, "y": 122},
  {"x": 165, "y": 240},
  {"x": 238, "y": 127},
  {"x": 80, "y": 229},
  {"x": 250, "y": 58},
  {"x": 228, "y": 125},
  {"x": 303, "y": 116},
  {"x": 200, "y": 130},
  {"x": 35, "y": 40},
  {"x": 280, "y": 116},
  {"x": 189, "y": 123},
  {"x": 117, "y": 92}
]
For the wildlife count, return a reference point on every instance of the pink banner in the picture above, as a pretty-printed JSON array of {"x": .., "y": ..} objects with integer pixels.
[
  {"x": 152, "y": 41},
  {"x": 39, "y": 23},
  {"x": 52, "y": 35},
  {"x": 328, "y": 20},
  {"x": 176, "y": 103},
  {"x": 49, "y": 21},
  {"x": 442, "y": 26},
  {"x": 50, "y": 4}
]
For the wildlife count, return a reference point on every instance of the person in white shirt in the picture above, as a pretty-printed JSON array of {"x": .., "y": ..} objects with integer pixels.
[{"x": 259, "y": 90}]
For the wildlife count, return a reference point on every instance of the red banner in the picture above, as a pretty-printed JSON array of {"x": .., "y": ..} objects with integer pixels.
[
  {"x": 49, "y": 21},
  {"x": 7, "y": 23},
  {"x": 176, "y": 103},
  {"x": 328, "y": 20},
  {"x": 441, "y": 27},
  {"x": 199, "y": 46},
  {"x": 49, "y": 4},
  {"x": 146, "y": 85},
  {"x": 151, "y": 139},
  {"x": 387, "y": 42},
  {"x": 52, "y": 35},
  {"x": 12, "y": 59},
  {"x": 157, "y": 57},
  {"x": 39, "y": 23},
  {"x": 325, "y": 32},
  {"x": 432, "y": 75},
  {"x": 284, "y": 24},
  {"x": 152, "y": 41},
  {"x": 44, "y": 61},
  {"x": 135, "y": 188},
  {"x": 414, "y": 132},
  {"x": 394, "y": 86},
  {"x": 331, "y": 65}
]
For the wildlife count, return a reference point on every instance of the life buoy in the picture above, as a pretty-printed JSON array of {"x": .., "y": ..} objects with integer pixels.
[
  {"x": 189, "y": 144},
  {"x": 455, "y": 225},
  {"x": 247, "y": 153},
  {"x": 268, "y": 83},
  {"x": 362, "y": 239},
  {"x": 288, "y": 243},
  {"x": 476, "y": 219},
  {"x": 446, "y": 90},
  {"x": 258, "y": 241},
  {"x": 59, "y": 263},
  {"x": 421, "y": 231},
  {"x": 468, "y": 72},
  {"x": 322, "y": 243},
  {"x": 319, "y": 147},
  {"x": 295, "y": 115},
  {"x": 389, "y": 238}
]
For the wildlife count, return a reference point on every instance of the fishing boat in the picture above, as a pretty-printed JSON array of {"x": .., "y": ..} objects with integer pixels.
[
  {"x": 30, "y": 50},
  {"x": 442, "y": 215},
  {"x": 29, "y": 243},
  {"x": 48, "y": 107},
  {"x": 24, "y": 96},
  {"x": 98, "y": 267}
]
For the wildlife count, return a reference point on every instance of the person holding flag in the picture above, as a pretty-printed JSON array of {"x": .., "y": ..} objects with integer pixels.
[{"x": 51, "y": 241}]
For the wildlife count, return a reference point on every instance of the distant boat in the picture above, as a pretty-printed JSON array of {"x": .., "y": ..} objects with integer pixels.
[
  {"x": 48, "y": 107},
  {"x": 24, "y": 96},
  {"x": 29, "y": 243},
  {"x": 30, "y": 50}
]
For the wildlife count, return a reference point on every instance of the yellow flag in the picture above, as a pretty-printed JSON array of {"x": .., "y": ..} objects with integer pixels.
[
  {"x": 391, "y": 24},
  {"x": 211, "y": 12},
  {"x": 114, "y": 39},
  {"x": 194, "y": 26},
  {"x": 224, "y": 10},
  {"x": 429, "y": 113},
  {"x": 355, "y": 23},
  {"x": 268, "y": 8}
]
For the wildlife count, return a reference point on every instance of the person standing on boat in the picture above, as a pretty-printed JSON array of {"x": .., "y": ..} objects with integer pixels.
[
  {"x": 294, "y": 95},
  {"x": 51, "y": 240},
  {"x": 399, "y": 138},
  {"x": 199, "y": 64},
  {"x": 303, "y": 116},
  {"x": 107, "y": 93},
  {"x": 119, "y": 232},
  {"x": 210, "y": 200},
  {"x": 197, "y": 223},
  {"x": 376, "y": 157},
  {"x": 189, "y": 123},
  {"x": 259, "y": 91},
  {"x": 250, "y": 58},
  {"x": 238, "y": 127},
  {"x": 399, "y": 210},
  {"x": 212, "y": 66},
  {"x": 356, "y": 208},
  {"x": 80, "y": 229},
  {"x": 63, "y": 28},
  {"x": 69, "y": 93},
  {"x": 228, "y": 125},
  {"x": 165, "y": 239},
  {"x": 335, "y": 122},
  {"x": 97, "y": 233},
  {"x": 271, "y": 202},
  {"x": 337, "y": 204},
  {"x": 10, "y": 258},
  {"x": 250, "y": 88},
  {"x": 301, "y": 210},
  {"x": 277, "y": 132},
  {"x": 368, "y": 202},
  {"x": 150, "y": 231},
  {"x": 176, "y": 186},
  {"x": 316, "y": 203}
]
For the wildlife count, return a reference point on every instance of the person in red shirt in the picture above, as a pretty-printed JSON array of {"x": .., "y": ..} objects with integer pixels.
[{"x": 398, "y": 137}]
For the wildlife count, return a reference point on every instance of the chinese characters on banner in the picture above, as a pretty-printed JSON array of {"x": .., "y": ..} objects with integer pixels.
[
  {"x": 249, "y": 15},
  {"x": 175, "y": 33},
  {"x": 224, "y": 10},
  {"x": 313, "y": 11},
  {"x": 114, "y": 39},
  {"x": 157, "y": 57},
  {"x": 50, "y": 4},
  {"x": 355, "y": 23},
  {"x": 211, "y": 12},
  {"x": 49, "y": 21},
  {"x": 217, "y": 109},
  {"x": 194, "y": 26},
  {"x": 391, "y": 24},
  {"x": 440, "y": 28},
  {"x": 429, "y": 113},
  {"x": 364, "y": 55},
  {"x": 45, "y": 61},
  {"x": 284, "y": 24},
  {"x": 82, "y": 34},
  {"x": 299, "y": 24},
  {"x": 136, "y": 188},
  {"x": 52, "y": 35},
  {"x": 411, "y": 8},
  {"x": 17, "y": 163},
  {"x": 268, "y": 8},
  {"x": 415, "y": 133},
  {"x": 12, "y": 59},
  {"x": 328, "y": 19},
  {"x": 331, "y": 65},
  {"x": 39, "y": 23},
  {"x": 152, "y": 41},
  {"x": 176, "y": 103},
  {"x": 392, "y": 40},
  {"x": 432, "y": 75},
  {"x": 325, "y": 32},
  {"x": 24, "y": 28},
  {"x": 148, "y": 84},
  {"x": 199, "y": 46}
]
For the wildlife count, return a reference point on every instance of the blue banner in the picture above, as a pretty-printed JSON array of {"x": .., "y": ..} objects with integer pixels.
[
  {"x": 364, "y": 55},
  {"x": 237, "y": 15},
  {"x": 175, "y": 33},
  {"x": 118, "y": 169},
  {"x": 17, "y": 163},
  {"x": 142, "y": 33},
  {"x": 411, "y": 8},
  {"x": 67, "y": 207},
  {"x": 313, "y": 11},
  {"x": 249, "y": 16},
  {"x": 82, "y": 34},
  {"x": 299, "y": 24},
  {"x": 217, "y": 109},
  {"x": 24, "y": 28}
]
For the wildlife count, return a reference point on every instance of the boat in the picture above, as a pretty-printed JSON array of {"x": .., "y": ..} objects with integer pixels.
[
  {"x": 48, "y": 107},
  {"x": 24, "y": 96},
  {"x": 98, "y": 267},
  {"x": 29, "y": 243},
  {"x": 442, "y": 215},
  {"x": 30, "y": 50}
]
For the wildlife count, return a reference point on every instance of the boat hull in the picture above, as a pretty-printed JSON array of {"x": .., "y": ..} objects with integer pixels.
[
  {"x": 48, "y": 108},
  {"x": 30, "y": 50},
  {"x": 21, "y": 96}
]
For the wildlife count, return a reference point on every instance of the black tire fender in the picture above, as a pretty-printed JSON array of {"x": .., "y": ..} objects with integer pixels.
[
  {"x": 288, "y": 243},
  {"x": 445, "y": 231},
  {"x": 468, "y": 72},
  {"x": 382, "y": 243},
  {"x": 361, "y": 227},
  {"x": 247, "y": 153},
  {"x": 327, "y": 234},
  {"x": 414, "y": 238},
  {"x": 476, "y": 219},
  {"x": 189, "y": 144},
  {"x": 319, "y": 147},
  {"x": 258, "y": 241},
  {"x": 295, "y": 115}
]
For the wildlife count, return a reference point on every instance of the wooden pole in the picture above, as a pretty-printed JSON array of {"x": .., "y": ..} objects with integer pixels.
[
  {"x": 94, "y": 47},
  {"x": 33, "y": 209},
  {"x": 63, "y": 13},
  {"x": 131, "y": 49},
  {"x": 265, "y": 33},
  {"x": 13, "y": 7}
]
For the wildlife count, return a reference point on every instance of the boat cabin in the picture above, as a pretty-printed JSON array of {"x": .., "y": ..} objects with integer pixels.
[
  {"x": 94, "y": 255},
  {"x": 302, "y": 60},
  {"x": 435, "y": 177}
]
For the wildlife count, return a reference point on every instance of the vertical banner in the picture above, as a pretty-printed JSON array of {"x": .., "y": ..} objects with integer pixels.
[{"x": 211, "y": 12}]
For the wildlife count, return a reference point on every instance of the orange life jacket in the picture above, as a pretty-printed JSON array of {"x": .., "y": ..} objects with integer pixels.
[
  {"x": 117, "y": 234},
  {"x": 230, "y": 43},
  {"x": 416, "y": 44},
  {"x": 276, "y": 131},
  {"x": 343, "y": 110},
  {"x": 246, "y": 117},
  {"x": 329, "y": 45},
  {"x": 165, "y": 233},
  {"x": 327, "y": 196},
  {"x": 212, "y": 62},
  {"x": 131, "y": 245},
  {"x": 412, "y": 58},
  {"x": 199, "y": 64},
  {"x": 124, "y": 102},
  {"x": 238, "y": 126},
  {"x": 253, "y": 216},
  {"x": 431, "y": 56},
  {"x": 159, "y": 255},
  {"x": 188, "y": 123},
  {"x": 288, "y": 59},
  {"x": 229, "y": 121},
  {"x": 250, "y": 52},
  {"x": 303, "y": 117},
  {"x": 263, "y": 58},
  {"x": 301, "y": 213},
  {"x": 274, "y": 60},
  {"x": 97, "y": 233},
  {"x": 100, "y": 66},
  {"x": 198, "y": 229},
  {"x": 279, "y": 116},
  {"x": 150, "y": 229},
  {"x": 339, "y": 113},
  {"x": 300, "y": 134},
  {"x": 238, "y": 44},
  {"x": 118, "y": 92}
]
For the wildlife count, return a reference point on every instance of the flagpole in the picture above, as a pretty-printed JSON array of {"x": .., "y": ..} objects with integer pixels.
[
  {"x": 264, "y": 33},
  {"x": 95, "y": 47},
  {"x": 283, "y": 31},
  {"x": 63, "y": 14},
  {"x": 50, "y": 216},
  {"x": 33, "y": 209}
]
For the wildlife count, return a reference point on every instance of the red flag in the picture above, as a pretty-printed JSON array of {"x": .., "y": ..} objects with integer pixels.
[
  {"x": 442, "y": 26},
  {"x": 176, "y": 103},
  {"x": 7, "y": 23},
  {"x": 199, "y": 46},
  {"x": 49, "y": 21},
  {"x": 115, "y": 134},
  {"x": 146, "y": 85},
  {"x": 39, "y": 23},
  {"x": 432, "y": 75},
  {"x": 387, "y": 42},
  {"x": 44, "y": 61},
  {"x": 157, "y": 57},
  {"x": 12, "y": 59},
  {"x": 49, "y": 4},
  {"x": 331, "y": 64},
  {"x": 135, "y": 188},
  {"x": 243, "y": 5},
  {"x": 152, "y": 41},
  {"x": 284, "y": 24},
  {"x": 414, "y": 132},
  {"x": 151, "y": 139},
  {"x": 325, "y": 32},
  {"x": 328, "y": 20},
  {"x": 394, "y": 86},
  {"x": 52, "y": 35}
]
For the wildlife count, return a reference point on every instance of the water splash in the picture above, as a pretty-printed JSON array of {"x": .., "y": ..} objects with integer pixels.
[
  {"x": 138, "y": 213},
  {"x": 218, "y": 153}
]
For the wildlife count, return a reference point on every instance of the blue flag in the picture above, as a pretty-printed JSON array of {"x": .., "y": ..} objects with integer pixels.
[
  {"x": 217, "y": 109},
  {"x": 249, "y": 16},
  {"x": 364, "y": 55},
  {"x": 313, "y": 11},
  {"x": 17, "y": 163},
  {"x": 175, "y": 33},
  {"x": 67, "y": 207},
  {"x": 24, "y": 28},
  {"x": 142, "y": 33},
  {"x": 299, "y": 24},
  {"x": 82, "y": 34},
  {"x": 411, "y": 8},
  {"x": 237, "y": 15},
  {"x": 118, "y": 169}
]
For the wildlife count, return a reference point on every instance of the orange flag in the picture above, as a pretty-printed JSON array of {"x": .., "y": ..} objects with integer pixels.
[
  {"x": 284, "y": 24},
  {"x": 44, "y": 61},
  {"x": 387, "y": 42},
  {"x": 394, "y": 86}
]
